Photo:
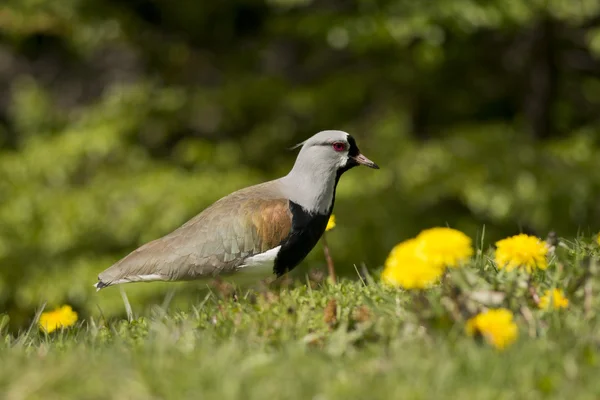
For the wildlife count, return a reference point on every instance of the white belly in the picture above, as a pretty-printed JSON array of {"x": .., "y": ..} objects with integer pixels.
[{"x": 254, "y": 269}]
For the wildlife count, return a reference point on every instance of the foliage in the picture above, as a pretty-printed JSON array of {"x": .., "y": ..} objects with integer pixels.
[
  {"x": 121, "y": 120},
  {"x": 356, "y": 339}
]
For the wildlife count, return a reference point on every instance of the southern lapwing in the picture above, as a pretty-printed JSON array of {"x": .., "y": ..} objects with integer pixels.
[{"x": 265, "y": 230}]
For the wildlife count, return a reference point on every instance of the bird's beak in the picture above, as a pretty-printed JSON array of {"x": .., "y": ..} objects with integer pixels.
[{"x": 361, "y": 159}]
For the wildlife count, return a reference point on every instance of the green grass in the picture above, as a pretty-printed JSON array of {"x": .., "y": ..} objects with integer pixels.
[{"x": 297, "y": 343}]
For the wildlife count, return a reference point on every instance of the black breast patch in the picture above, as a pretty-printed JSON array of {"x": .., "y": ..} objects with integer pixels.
[{"x": 307, "y": 229}]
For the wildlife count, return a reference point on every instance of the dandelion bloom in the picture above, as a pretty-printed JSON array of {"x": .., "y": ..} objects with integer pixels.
[
  {"x": 496, "y": 326},
  {"x": 61, "y": 317},
  {"x": 445, "y": 246},
  {"x": 555, "y": 299},
  {"x": 406, "y": 267},
  {"x": 521, "y": 251},
  {"x": 330, "y": 223}
]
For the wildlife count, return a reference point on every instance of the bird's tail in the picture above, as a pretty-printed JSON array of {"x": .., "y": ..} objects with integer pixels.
[
  {"x": 114, "y": 276},
  {"x": 101, "y": 285},
  {"x": 139, "y": 266},
  {"x": 110, "y": 276}
]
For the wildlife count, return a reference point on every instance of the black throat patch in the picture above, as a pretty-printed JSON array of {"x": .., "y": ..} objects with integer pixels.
[{"x": 307, "y": 229}]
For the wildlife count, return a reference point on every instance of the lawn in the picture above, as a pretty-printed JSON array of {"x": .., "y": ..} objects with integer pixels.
[{"x": 357, "y": 339}]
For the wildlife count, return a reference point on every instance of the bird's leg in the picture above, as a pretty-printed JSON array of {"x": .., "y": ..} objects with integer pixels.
[
  {"x": 126, "y": 303},
  {"x": 330, "y": 266}
]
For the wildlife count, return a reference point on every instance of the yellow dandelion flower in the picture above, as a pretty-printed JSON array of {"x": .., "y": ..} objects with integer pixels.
[
  {"x": 61, "y": 317},
  {"x": 554, "y": 298},
  {"x": 445, "y": 246},
  {"x": 330, "y": 223},
  {"x": 406, "y": 267},
  {"x": 521, "y": 251},
  {"x": 496, "y": 326}
]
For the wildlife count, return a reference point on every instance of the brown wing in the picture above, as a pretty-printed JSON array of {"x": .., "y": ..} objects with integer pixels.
[{"x": 218, "y": 240}]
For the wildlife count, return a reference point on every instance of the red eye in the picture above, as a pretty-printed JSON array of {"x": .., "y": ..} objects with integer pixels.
[{"x": 339, "y": 146}]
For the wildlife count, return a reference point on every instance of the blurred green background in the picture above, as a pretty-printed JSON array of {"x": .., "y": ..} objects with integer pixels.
[{"x": 121, "y": 119}]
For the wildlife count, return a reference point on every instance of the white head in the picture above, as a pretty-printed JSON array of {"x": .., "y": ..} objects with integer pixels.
[{"x": 322, "y": 160}]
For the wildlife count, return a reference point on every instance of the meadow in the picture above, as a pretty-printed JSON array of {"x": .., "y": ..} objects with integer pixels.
[
  {"x": 121, "y": 120},
  {"x": 354, "y": 339}
]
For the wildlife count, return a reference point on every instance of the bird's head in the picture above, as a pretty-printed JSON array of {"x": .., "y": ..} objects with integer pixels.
[{"x": 335, "y": 150}]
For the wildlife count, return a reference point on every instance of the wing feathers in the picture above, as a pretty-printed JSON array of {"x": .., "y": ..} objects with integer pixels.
[{"x": 215, "y": 241}]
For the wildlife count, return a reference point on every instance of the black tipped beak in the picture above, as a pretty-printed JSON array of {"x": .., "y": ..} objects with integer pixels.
[{"x": 362, "y": 160}]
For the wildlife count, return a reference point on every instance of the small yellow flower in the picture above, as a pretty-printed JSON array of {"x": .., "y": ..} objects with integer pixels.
[
  {"x": 445, "y": 246},
  {"x": 61, "y": 317},
  {"x": 554, "y": 297},
  {"x": 406, "y": 267},
  {"x": 521, "y": 251},
  {"x": 330, "y": 223},
  {"x": 496, "y": 326}
]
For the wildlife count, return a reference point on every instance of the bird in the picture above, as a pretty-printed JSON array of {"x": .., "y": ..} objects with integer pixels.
[{"x": 256, "y": 232}]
